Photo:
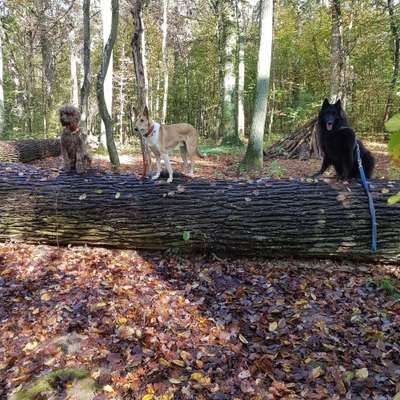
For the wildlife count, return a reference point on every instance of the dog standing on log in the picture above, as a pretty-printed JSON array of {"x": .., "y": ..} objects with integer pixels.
[
  {"x": 338, "y": 144},
  {"x": 73, "y": 145},
  {"x": 162, "y": 138}
]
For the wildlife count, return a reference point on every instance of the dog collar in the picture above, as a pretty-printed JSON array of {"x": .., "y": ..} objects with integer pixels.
[{"x": 149, "y": 131}]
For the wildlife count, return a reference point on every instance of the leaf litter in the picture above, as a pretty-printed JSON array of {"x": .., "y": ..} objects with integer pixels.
[{"x": 152, "y": 326}]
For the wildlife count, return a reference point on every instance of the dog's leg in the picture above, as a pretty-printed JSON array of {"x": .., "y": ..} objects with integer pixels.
[
  {"x": 158, "y": 161},
  {"x": 168, "y": 166},
  {"x": 183, "y": 151},
  {"x": 325, "y": 165},
  {"x": 66, "y": 159}
]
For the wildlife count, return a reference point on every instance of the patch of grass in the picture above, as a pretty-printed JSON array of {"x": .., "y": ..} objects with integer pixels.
[
  {"x": 275, "y": 170},
  {"x": 385, "y": 285},
  {"x": 215, "y": 150},
  {"x": 394, "y": 173}
]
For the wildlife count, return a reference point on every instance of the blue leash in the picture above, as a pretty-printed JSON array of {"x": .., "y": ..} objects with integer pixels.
[{"x": 370, "y": 200}]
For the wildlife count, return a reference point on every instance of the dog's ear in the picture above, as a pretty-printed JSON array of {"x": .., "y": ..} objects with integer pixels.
[
  {"x": 325, "y": 103},
  {"x": 146, "y": 112},
  {"x": 338, "y": 104}
]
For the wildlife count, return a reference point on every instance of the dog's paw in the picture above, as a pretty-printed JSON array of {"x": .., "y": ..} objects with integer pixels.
[
  {"x": 155, "y": 177},
  {"x": 169, "y": 180}
]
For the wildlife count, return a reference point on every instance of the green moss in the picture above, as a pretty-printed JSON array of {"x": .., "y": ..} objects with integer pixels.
[{"x": 43, "y": 384}]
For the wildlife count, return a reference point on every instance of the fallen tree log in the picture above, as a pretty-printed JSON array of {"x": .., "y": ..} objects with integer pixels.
[
  {"x": 28, "y": 150},
  {"x": 260, "y": 218}
]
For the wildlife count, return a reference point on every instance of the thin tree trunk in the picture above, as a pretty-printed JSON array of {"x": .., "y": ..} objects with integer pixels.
[
  {"x": 221, "y": 40},
  {"x": 336, "y": 51},
  {"x": 394, "y": 28},
  {"x": 122, "y": 97},
  {"x": 157, "y": 106},
  {"x": 144, "y": 57},
  {"x": 2, "y": 115},
  {"x": 108, "y": 82},
  {"x": 85, "y": 89},
  {"x": 254, "y": 154},
  {"x": 296, "y": 66},
  {"x": 229, "y": 117},
  {"x": 259, "y": 219},
  {"x": 165, "y": 59},
  {"x": 241, "y": 69},
  {"x": 136, "y": 11},
  {"x": 74, "y": 75},
  {"x": 105, "y": 61}
]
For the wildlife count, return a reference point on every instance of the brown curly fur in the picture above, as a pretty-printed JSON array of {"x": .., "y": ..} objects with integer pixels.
[{"x": 73, "y": 145}]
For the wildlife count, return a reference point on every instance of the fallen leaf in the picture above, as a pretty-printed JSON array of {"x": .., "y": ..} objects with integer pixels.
[
  {"x": 362, "y": 373},
  {"x": 273, "y": 326}
]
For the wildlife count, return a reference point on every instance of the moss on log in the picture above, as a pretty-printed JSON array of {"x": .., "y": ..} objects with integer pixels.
[{"x": 263, "y": 218}]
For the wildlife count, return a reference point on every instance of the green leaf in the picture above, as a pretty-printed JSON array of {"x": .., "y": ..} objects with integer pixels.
[
  {"x": 394, "y": 145},
  {"x": 393, "y": 124},
  {"x": 186, "y": 236},
  {"x": 394, "y": 199}
]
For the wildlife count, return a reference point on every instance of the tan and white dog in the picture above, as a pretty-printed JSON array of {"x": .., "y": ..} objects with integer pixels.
[{"x": 162, "y": 138}]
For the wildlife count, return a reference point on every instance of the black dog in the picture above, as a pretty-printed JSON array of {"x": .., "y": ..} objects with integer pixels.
[{"x": 338, "y": 143}]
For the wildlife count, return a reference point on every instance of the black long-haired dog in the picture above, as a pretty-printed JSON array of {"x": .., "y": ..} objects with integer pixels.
[{"x": 338, "y": 143}]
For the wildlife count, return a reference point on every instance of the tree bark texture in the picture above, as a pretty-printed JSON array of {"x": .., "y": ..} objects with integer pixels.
[
  {"x": 261, "y": 218},
  {"x": 165, "y": 59},
  {"x": 2, "y": 115},
  {"x": 241, "y": 68},
  {"x": 336, "y": 51},
  {"x": 230, "y": 108},
  {"x": 74, "y": 73},
  {"x": 394, "y": 28},
  {"x": 254, "y": 153},
  {"x": 138, "y": 62},
  {"x": 85, "y": 89},
  {"x": 28, "y": 150},
  {"x": 105, "y": 62}
]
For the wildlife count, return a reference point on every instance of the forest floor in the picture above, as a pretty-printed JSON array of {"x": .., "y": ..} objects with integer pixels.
[{"x": 115, "y": 324}]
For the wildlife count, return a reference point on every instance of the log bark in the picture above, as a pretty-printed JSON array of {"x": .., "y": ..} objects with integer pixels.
[
  {"x": 28, "y": 150},
  {"x": 262, "y": 218}
]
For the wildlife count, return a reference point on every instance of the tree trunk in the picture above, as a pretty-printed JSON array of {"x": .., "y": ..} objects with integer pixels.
[
  {"x": 394, "y": 27},
  {"x": 106, "y": 16},
  {"x": 2, "y": 116},
  {"x": 254, "y": 154},
  {"x": 229, "y": 115},
  {"x": 28, "y": 150},
  {"x": 336, "y": 51},
  {"x": 74, "y": 74},
  {"x": 259, "y": 219},
  {"x": 85, "y": 89},
  {"x": 137, "y": 37},
  {"x": 48, "y": 64},
  {"x": 121, "y": 97},
  {"x": 220, "y": 36},
  {"x": 165, "y": 59},
  {"x": 241, "y": 69},
  {"x": 105, "y": 61}
]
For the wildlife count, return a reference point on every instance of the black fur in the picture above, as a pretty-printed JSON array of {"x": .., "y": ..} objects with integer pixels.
[{"x": 338, "y": 144}]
